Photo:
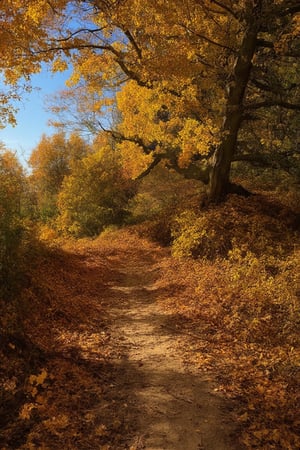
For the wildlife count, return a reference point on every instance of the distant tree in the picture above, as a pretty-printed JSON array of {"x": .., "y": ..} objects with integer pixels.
[
  {"x": 51, "y": 161},
  {"x": 12, "y": 181},
  {"x": 94, "y": 195}
]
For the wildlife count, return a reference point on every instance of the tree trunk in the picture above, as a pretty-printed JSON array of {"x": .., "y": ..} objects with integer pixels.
[{"x": 219, "y": 176}]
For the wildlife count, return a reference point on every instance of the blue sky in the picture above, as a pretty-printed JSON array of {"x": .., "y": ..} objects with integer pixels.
[{"x": 32, "y": 117}]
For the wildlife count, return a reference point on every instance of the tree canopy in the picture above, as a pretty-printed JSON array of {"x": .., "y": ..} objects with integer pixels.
[{"x": 199, "y": 83}]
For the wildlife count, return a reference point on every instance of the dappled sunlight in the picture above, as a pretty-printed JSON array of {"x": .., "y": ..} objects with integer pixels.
[
  {"x": 109, "y": 374},
  {"x": 133, "y": 349},
  {"x": 85, "y": 344}
]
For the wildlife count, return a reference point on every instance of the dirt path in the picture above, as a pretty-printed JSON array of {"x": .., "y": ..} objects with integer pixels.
[
  {"x": 107, "y": 371},
  {"x": 174, "y": 408}
]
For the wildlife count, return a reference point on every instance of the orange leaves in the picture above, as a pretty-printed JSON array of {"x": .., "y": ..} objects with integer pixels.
[
  {"x": 26, "y": 409},
  {"x": 59, "y": 65},
  {"x": 37, "y": 380},
  {"x": 36, "y": 11},
  {"x": 239, "y": 312}
]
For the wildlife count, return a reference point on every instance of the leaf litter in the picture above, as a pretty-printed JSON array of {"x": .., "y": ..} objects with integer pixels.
[{"x": 120, "y": 361}]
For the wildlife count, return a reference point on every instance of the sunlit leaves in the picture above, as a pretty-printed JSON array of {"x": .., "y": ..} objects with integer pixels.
[
  {"x": 241, "y": 306},
  {"x": 180, "y": 57},
  {"x": 133, "y": 159},
  {"x": 196, "y": 138},
  {"x": 94, "y": 195},
  {"x": 51, "y": 161}
]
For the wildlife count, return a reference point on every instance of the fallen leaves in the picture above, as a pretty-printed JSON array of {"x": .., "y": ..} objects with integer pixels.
[
  {"x": 70, "y": 395},
  {"x": 243, "y": 330},
  {"x": 39, "y": 379},
  {"x": 227, "y": 330},
  {"x": 26, "y": 409}
]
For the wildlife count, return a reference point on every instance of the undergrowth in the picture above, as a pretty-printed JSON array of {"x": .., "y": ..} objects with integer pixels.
[
  {"x": 256, "y": 224},
  {"x": 238, "y": 301}
]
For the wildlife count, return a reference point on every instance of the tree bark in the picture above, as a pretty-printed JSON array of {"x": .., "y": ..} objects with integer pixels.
[{"x": 219, "y": 177}]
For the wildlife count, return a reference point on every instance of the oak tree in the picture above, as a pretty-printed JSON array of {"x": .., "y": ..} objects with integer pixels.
[{"x": 214, "y": 69}]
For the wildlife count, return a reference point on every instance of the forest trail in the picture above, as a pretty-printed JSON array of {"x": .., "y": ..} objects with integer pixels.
[
  {"x": 111, "y": 374},
  {"x": 174, "y": 407}
]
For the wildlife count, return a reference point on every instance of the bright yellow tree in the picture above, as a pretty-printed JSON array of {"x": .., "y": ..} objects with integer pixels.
[
  {"x": 210, "y": 69},
  {"x": 95, "y": 194},
  {"x": 51, "y": 161}
]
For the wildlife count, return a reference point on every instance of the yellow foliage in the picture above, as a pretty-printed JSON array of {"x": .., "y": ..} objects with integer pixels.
[
  {"x": 38, "y": 380},
  {"x": 196, "y": 138},
  {"x": 36, "y": 11},
  {"x": 134, "y": 160},
  {"x": 242, "y": 299},
  {"x": 59, "y": 65},
  {"x": 94, "y": 195},
  {"x": 157, "y": 116},
  {"x": 47, "y": 233}
]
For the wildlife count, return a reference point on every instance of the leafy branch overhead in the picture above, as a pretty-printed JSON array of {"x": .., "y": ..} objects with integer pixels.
[{"x": 191, "y": 80}]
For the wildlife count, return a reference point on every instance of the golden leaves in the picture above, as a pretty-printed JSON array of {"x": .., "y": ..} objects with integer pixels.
[
  {"x": 25, "y": 412},
  {"x": 37, "y": 10},
  {"x": 35, "y": 382},
  {"x": 57, "y": 424},
  {"x": 59, "y": 65},
  {"x": 134, "y": 160},
  {"x": 196, "y": 138},
  {"x": 241, "y": 306},
  {"x": 38, "y": 380},
  {"x": 156, "y": 116}
]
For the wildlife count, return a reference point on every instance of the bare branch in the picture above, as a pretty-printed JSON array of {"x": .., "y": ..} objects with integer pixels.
[
  {"x": 67, "y": 48},
  {"x": 275, "y": 161},
  {"x": 207, "y": 39},
  {"x": 264, "y": 43},
  {"x": 292, "y": 9},
  {"x": 262, "y": 86},
  {"x": 154, "y": 163},
  {"x": 134, "y": 44},
  {"x": 81, "y": 30},
  {"x": 224, "y": 7},
  {"x": 119, "y": 137},
  {"x": 270, "y": 103}
]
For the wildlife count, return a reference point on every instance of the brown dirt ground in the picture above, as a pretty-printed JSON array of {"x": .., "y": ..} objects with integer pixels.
[{"x": 109, "y": 373}]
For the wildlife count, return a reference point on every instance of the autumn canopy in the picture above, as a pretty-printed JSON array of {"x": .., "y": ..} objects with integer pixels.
[{"x": 199, "y": 84}]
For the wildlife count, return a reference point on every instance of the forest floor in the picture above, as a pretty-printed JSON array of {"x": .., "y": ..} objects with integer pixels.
[{"x": 106, "y": 367}]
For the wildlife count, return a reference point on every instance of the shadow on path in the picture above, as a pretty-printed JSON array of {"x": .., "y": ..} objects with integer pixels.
[{"x": 114, "y": 377}]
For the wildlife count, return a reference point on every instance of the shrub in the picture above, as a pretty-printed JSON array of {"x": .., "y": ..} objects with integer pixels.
[
  {"x": 161, "y": 195},
  {"x": 12, "y": 225},
  {"x": 251, "y": 224},
  {"x": 241, "y": 316},
  {"x": 94, "y": 196}
]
